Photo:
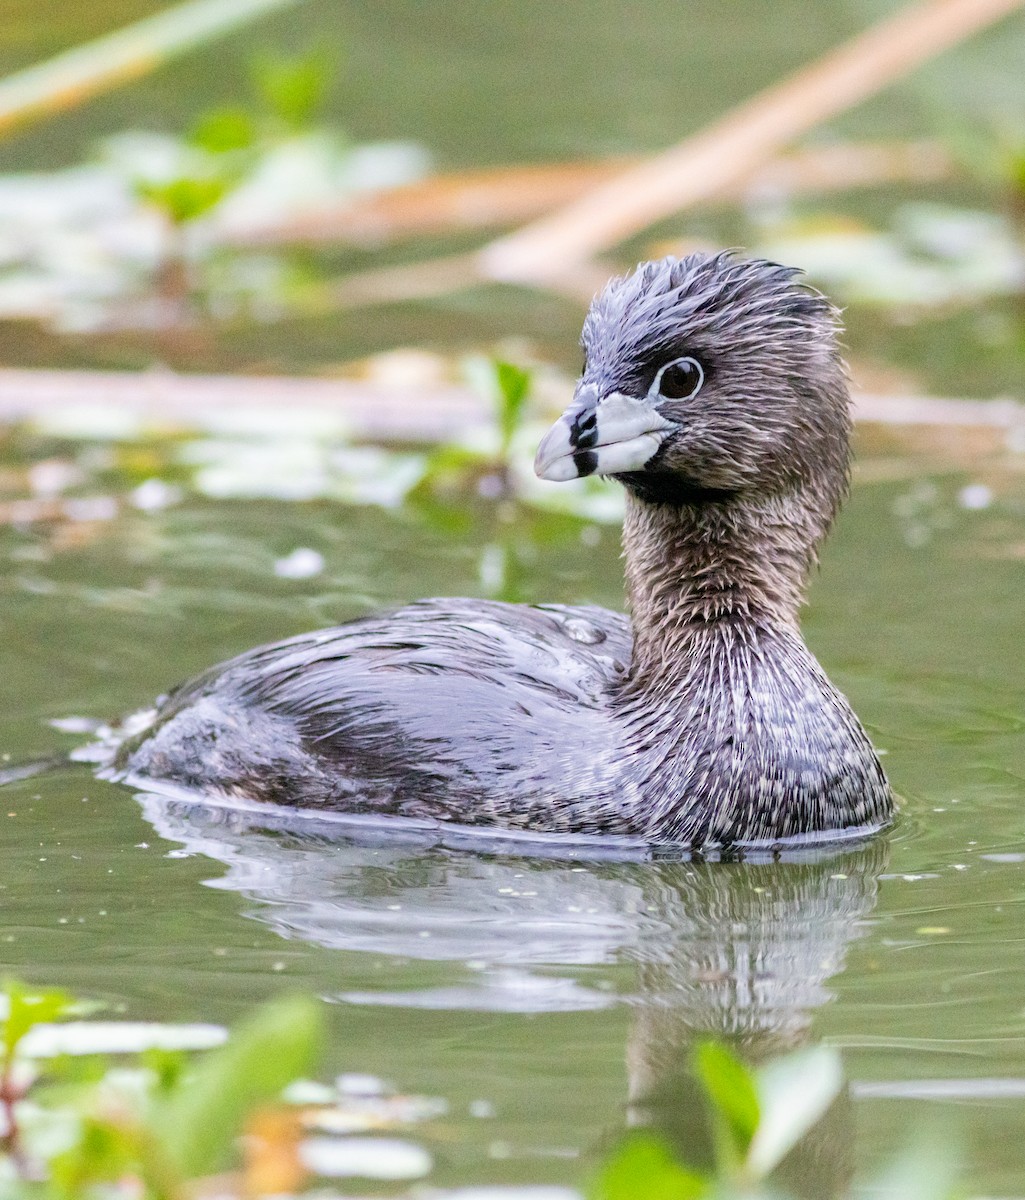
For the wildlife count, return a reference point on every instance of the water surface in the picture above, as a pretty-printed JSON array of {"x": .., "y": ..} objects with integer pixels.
[{"x": 562, "y": 993}]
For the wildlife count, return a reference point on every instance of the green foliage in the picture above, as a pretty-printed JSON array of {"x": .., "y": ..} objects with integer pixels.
[
  {"x": 154, "y": 1129},
  {"x": 217, "y": 154},
  {"x": 201, "y": 1117},
  {"x": 761, "y": 1115},
  {"x": 758, "y": 1117},
  {"x": 225, "y": 144},
  {"x": 506, "y": 387},
  {"x": 795, "y": 1093},
  {"x": 512, "y": 385},
  {"x": 223, "y": 130},
  {"x": 644, "y": 1168},
  {"x": 293, "y": 89},
  {"x": 165, "y": 1124},
  {"x": 166, "y": 1068},
  {"x": 110, "y": 1148},
  {"x": 732, "y": 1093},
  {"x": 457, "y": 470},
  {"x": 25, "y": 1009},
  {"x": 186, "y": 198}
]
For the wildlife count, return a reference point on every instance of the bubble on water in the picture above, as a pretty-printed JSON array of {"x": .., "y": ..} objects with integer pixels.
[
  {"x": 353, "y": 1083},
  {"x": 154, "y": 494},
  {"x": 975, "y": 496},
  {"x": 302, "y": 563}
]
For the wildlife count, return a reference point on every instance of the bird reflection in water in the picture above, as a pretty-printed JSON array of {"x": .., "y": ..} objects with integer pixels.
[
  {"x": 739, "y": 951},
  {"x": 751, "y": 953}
]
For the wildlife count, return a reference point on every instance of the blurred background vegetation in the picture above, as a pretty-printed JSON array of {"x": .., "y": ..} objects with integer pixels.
[{"x": 403, "y": 94}]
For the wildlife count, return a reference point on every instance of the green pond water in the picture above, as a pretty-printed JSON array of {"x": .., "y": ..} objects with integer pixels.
[
  {"x": 550, "y": 1003},
  {"x": 559, "y": 993}
]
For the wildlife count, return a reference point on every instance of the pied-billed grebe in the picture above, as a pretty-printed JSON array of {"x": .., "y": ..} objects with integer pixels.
[{"x": 714, "y": 392}]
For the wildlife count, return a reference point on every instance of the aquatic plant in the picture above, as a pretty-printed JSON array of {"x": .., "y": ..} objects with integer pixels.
[
  {"x": 187, "y": 179},
  {"x": 293, "y": 90},
  {"x": 758, "y": 1116},
  {"x": 75, "y": 1124},
  {"x": 226, "y": 144},
  {"x": 484, "y": 469},
  {"x": 162, "y": 1123}
]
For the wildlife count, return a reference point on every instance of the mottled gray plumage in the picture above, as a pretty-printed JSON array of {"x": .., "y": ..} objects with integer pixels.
[{"x": 708, "y": 723}]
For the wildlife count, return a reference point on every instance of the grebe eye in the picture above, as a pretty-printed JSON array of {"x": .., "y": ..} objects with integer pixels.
[{"x": 678, "y": 380}]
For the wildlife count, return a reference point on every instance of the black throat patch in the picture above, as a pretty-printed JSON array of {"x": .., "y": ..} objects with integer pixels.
[{"x": 668, "y": 487}]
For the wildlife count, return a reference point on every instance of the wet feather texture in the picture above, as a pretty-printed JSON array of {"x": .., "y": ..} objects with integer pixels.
[{"x": 704, "y": 720}]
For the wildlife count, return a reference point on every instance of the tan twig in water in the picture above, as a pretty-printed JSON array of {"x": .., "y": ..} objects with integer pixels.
[
  {"x": 424, "y": 410},
  {"x": 502, "y": 196},
  {"x": 729, "y": 149},
  {"x": 407, "y": 281},
  {"x": 69, "y": 79}
]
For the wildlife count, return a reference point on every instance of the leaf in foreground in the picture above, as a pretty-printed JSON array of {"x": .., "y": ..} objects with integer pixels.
[
  {"x": 730, "y": 1086},
  {"x": 25, "y": 1009},
  {"x": 644, "y": 1168},
  {"x": 795, "y": 1092},
  {"x": 208, "y": 1108}
]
